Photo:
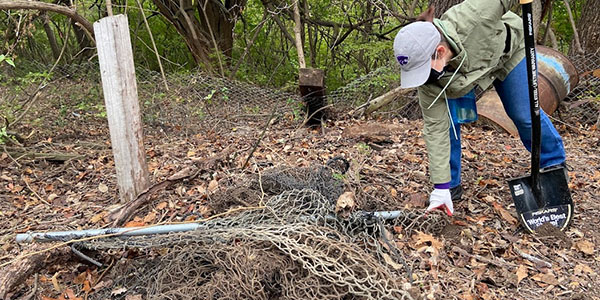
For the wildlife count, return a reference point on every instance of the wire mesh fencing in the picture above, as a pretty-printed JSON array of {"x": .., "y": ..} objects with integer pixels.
[
  {"x": 582, "y": 106},
  {"x": 198, "y": 98},
  {"x": 192, "y": 99}
]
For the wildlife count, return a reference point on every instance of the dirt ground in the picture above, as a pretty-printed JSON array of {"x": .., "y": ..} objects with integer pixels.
[{"x": 480, "y": 255}]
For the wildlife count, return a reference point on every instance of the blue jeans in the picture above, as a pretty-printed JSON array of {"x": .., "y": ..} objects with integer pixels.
[{"x": 514, "y": 93}]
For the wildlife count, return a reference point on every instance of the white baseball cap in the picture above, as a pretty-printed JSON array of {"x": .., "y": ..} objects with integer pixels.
[{"x": 413, "y": 46}]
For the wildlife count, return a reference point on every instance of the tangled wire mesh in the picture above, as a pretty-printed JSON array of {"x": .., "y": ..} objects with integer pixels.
[{"x": 290, "y": 245}]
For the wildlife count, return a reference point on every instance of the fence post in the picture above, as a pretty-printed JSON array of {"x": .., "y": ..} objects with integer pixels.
[
  {"x": 312, "y": 90},
  {"x": 122, "y": 108}
]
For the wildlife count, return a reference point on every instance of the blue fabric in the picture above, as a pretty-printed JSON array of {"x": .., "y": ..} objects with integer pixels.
[{"x": 514, "y": 93}]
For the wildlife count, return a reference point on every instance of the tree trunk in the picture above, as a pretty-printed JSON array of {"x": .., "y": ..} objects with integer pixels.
[
  {"x": 311, "y": 38},
  {"x": 536, "y": 7},
  {"x": 441, "y": 6},
  {"x": 85, "y": 45},
  {"x": 181, "y": 15},
  {"x": 553, "y": 39},
  {"x": 575, "y": 45},
  {"x": 51, "y": 37},
  {"x": 298, "y": 36},
  {"x": 588, "y": 26},
  {"x": 221, "y": 21},
  {"x": 202, "y": 22}
]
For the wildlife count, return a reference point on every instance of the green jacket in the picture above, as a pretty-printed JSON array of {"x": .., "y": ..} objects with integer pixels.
[{"x": 475, "y": 29}]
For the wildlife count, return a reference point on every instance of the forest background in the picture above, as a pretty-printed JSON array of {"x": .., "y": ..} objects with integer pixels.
[{"x": 253, "y": 41}]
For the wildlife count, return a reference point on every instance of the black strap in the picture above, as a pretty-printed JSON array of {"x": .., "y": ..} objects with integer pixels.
[{"x": 507, "y": 41}]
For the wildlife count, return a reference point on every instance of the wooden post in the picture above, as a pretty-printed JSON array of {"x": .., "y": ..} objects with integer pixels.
[
  {"x": 312, "y": 89},
  {"x": 122, "y": 107}
]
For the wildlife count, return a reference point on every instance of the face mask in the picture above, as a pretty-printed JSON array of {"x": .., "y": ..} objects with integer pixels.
[{"x": 435, "y": 75}]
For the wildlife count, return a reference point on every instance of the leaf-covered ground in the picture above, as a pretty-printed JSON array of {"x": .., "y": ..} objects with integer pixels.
[{"x": 480, "y": 255}]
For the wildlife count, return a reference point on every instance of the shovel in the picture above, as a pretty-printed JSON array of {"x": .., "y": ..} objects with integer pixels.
[{"x": 543, "y": 197}]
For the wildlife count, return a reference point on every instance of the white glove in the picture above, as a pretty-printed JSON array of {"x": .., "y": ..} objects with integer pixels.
[{"x": 441, "y": 199}]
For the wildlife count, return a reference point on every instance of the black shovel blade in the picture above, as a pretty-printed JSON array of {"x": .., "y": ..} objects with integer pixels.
[{"x": 557, "y": 205}]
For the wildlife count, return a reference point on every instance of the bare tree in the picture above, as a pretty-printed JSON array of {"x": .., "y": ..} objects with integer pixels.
[
  {"x": 589, "y": 29},
  {"x": 50, "y": 35},
  {"x": 206, "y": 25}
]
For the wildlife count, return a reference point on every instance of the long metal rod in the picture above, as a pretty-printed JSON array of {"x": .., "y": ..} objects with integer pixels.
[{"x": 66, "y": 236}]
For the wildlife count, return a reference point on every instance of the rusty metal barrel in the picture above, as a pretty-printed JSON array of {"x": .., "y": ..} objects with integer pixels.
[{"x": 557, "y": 77}]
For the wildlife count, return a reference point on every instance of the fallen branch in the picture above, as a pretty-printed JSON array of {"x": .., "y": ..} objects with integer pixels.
[
  {"x": 313, "y": 114},
  {"x": 120, "y": 216},
  {"x": 17, "y": 272},
  {"x": 381, "y": 101},
  {"x": 35, "y": 193},
  {"x": 532, "y": 258},
  {"x": 262, "y": 135},
  {"x": 57, "y": 157},
  {"x": 500, "y": 264}
]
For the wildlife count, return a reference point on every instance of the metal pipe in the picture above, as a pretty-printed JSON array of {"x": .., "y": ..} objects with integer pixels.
[
  {"x": 137, "y": 231},
  {"x": 388, "y": 215},
  {"x": 127, "y": 231}
]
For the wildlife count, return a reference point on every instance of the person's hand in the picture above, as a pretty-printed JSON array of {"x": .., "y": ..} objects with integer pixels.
[{"x": 441, "y": 199}]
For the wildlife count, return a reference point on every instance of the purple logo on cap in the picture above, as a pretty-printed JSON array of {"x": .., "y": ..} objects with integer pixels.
[{"x": 402, "y": 59}]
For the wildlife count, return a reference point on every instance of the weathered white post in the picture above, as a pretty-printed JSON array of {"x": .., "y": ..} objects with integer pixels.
[{"x": 122, "y": 108}]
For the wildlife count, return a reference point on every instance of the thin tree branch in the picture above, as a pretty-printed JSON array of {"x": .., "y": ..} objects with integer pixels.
[
  {"x": 413, "y": 6},
  {"x": 250, "y": 43},
  {"x": 162, "y": 71},
  {"x": 38, "y": 5},
  {"x": 212, "y": 36},
  {"x": 262, "y": 134},
  {"x": 277, "y": 20},
  {"x": 577, "y": 45},
  {"x": 298, "y": 35}
]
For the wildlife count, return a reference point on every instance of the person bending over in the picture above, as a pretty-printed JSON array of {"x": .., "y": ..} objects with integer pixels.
[{"x": 474, "y": 43}]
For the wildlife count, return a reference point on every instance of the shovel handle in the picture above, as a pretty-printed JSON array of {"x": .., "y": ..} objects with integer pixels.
[{"x": 533, "y": 100}]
